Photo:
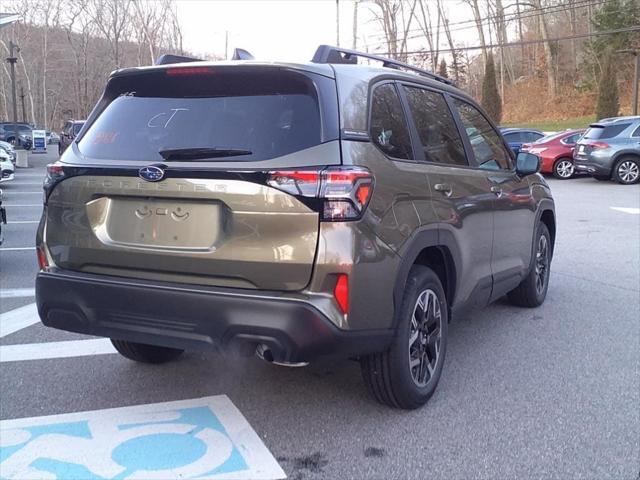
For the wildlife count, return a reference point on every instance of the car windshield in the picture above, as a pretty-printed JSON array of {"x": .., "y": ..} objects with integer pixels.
[{"x": 267, "y": 115}]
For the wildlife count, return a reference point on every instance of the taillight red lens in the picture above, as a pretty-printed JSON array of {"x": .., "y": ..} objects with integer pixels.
[
  {"x": 345, "y": 190},
  {"x": 190, "y": 71},
  {"x": 341, "y": 293},
  {"x": 599, "y": 145},
  {"x": 43, "y": 263}
]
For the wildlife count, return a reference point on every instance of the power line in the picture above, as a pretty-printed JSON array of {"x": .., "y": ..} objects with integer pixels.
[
  {"x": 508, "y": 18},
  {"x": 527, "y": 42}
]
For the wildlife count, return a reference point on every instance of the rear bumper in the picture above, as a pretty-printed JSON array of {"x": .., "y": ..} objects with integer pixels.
[{"x": 196, "y": 318}]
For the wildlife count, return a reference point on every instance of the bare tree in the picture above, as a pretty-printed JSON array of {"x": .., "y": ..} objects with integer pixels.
[
  {"x": 425, "y": 22},
  {"x": 395, "y": 18},
  {"x": 548, "y": 50},
  {"x": 113, "y": 21}
]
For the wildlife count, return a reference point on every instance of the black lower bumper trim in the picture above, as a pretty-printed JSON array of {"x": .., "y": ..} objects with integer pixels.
[{"x": 195, "y": 318}]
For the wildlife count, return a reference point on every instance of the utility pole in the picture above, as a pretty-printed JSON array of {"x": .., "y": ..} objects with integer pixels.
[
  {"x": 636, "y": 78},
  {"x": 12, "y": 59},
  {"x": 355, "y": 25},
  {"x": 24, "y": 112},
  {"x": 337, "y": 23}
]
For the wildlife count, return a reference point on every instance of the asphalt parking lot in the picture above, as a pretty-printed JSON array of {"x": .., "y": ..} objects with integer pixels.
[{"x": 552, "y": 392}]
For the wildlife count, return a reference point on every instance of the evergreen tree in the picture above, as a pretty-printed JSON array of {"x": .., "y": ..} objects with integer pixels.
[
  {"x": 442, "y": 70},
  {"x": 608, "y": 101},
  {"x": 490, "y": 97}
]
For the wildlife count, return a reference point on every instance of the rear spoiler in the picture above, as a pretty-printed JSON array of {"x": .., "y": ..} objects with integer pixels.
[{"x": 168, "y": 58}]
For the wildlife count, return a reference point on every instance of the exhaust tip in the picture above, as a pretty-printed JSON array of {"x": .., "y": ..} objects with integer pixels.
[{"x": 263, "y": 352}]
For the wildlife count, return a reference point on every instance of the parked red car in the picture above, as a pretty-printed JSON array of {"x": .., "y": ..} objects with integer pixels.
[{"x": 556, "y": 152}]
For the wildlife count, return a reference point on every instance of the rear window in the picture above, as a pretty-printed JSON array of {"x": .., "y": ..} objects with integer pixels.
[
  {"x": 600, "y": 133},
  {"x": 269, "y": 114}
]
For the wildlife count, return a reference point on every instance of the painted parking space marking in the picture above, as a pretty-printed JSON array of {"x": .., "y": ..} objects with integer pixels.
[
  {"x": 17, "y": 319},
  {"x": 16, "y": 249},
  {"x": 49, "y": 350},
  {"x": 11, "y": 192},
  {"x": 22, "y": 221},
  {"x": 629, "y": 210},
  {"x": 17, "y": 292},
  {"x": 198, "y": 438},
  {"x": 21, "y": 205}
]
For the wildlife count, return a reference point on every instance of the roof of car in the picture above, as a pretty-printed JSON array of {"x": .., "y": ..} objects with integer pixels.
[
  {"x": 617, "y": 119},
  {"x": 515, "y": 129}
]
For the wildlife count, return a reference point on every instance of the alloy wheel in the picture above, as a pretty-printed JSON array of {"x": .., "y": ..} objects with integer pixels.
[
  {"x": 628, "y": 171},
  {"x": 564, "y": 168},
  {"x": 542, "y": 264},
  {"x": 425, "y": 336}
]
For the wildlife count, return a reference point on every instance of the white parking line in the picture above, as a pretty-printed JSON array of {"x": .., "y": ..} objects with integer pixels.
[
  {"x": 196, "y": 438},
  {"x": 631, "y": 211},
  {"x": 11, "y": 192},
  {"x": 21, "y": 205},
  {"x": 17, "y": 319},
  {"x": 16, "y": 249},
  {"x": 17, "y": 182},
  {"x": 17, "y": 292},
  {"x": 23, "y": 221},
  {"x": 48, "y": 350}
]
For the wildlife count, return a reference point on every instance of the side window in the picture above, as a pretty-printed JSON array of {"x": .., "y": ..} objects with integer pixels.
[
  {"x": 512, "y": 137},
  {"x": 636, "y": 133},
  {"x": 487, "y": 145},
  {"x": 532, "y": 137},
  {"x": 388, "y": 126},
  {"x": 572, "y": 139},
  {"x": 438, "y": 132}
]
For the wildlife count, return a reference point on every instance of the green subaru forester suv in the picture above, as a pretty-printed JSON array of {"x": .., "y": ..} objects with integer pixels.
[{"x": 292, "y": 211}]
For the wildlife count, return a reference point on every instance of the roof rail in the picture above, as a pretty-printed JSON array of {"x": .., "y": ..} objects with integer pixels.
[
  {"x": 168, "y": 58},
  {"x": 329, "y": 54}
]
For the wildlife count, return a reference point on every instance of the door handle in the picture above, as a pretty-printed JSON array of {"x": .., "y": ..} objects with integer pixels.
[
  {"x": 444, "y": 188},
  {"x": 497, "y": 191}
]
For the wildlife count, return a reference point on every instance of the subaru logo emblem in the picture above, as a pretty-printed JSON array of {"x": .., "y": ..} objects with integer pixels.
[{"x": 151, "y": 174}]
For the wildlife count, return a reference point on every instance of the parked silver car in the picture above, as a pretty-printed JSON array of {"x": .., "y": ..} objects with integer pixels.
[{"x": 610, "y": 149}]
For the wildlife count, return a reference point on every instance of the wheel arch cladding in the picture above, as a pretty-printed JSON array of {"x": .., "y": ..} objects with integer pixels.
[
  {"x": 425, "y": 249},
  {"x": 547, "y": 217}
]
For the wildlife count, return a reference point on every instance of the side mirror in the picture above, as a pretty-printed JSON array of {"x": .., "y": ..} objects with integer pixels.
[{"x": 527, "y": 164}]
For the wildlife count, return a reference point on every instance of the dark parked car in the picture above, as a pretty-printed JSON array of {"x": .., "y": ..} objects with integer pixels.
[
  {"x": 515, "y": 137},
  {"x": 610, "y": 149},
  {"x": 556, "y": 152},
  {"x": 69, "y": 132},
  {"x": 292, "y": 211},
  {"x": 24, "y": 138}
]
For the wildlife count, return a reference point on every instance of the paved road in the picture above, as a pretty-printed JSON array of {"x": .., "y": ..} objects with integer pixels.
[{"x": 547, "y": 393}]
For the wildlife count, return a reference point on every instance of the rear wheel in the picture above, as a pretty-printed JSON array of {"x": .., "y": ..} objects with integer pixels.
[
  {"x": 533, "y": 289},
  {"x": 627, "y": 170},
  {"x": 140, "y": 352},
  {"x": 563, "y": 168},
  {"x": 406, "y": 375}
]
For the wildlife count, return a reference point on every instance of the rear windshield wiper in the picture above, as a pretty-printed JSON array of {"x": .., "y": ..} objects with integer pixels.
[{"x": 201, "y": 153}]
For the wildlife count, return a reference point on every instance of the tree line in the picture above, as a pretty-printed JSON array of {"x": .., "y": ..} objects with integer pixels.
[
  {"x": 67, "y": 48},
  {"x": 526, "y": 55}
]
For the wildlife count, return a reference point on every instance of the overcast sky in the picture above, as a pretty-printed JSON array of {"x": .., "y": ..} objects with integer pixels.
[{"x": 286, "y": 29}]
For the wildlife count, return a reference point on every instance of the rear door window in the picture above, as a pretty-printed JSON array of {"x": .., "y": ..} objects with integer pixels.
[
  {"x": 514, "y": 137},
  {"x": 388, "y": 128},
  {"x": 602, "y": 132},
  {"x": 269, "y": 114},
  {"x": 436, "y": 127}
]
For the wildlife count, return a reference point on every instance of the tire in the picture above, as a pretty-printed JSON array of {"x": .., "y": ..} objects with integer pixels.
[
  {"x": 627, "y": 170},
  {"x": 602, "y": 178},
  {"x": 389, "y": 375},
  {"x": 532, "y": 291},
  {"x": 563, "y": 168},
  {"x": 140, "y": 352}
]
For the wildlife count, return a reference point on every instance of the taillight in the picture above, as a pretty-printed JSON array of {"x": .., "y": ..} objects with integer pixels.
[
  {"x": 345, "y": 190},
  {"x": 595, "y": 145},
  {"x": 43, "y": 262},
  {"x": 55, "y": 173},
  {"x": 341, "y": 293}
]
